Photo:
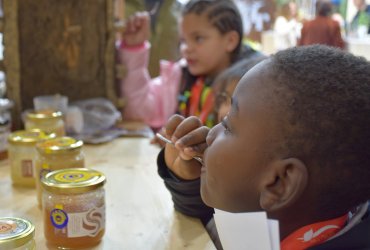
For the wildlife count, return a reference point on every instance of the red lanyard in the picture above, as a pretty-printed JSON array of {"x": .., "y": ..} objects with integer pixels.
[{"x": 313, "y": 234}]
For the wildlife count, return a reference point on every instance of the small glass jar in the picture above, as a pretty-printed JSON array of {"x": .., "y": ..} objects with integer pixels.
[
  {"x": 5, "y": 126},
  {"x": 16, "y": 234},
  {"x": 22, "y": 155},
  {"x": 49, "y": 121},
  {"x": 73, "y": 207},
  {"x": 55, "y": 154}
]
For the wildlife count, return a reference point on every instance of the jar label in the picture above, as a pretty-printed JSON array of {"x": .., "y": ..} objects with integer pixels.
[
  {"x": 59, "y": 218},
  {"x": 88, "y": 223},
  {"x": 27, "y": 168}
]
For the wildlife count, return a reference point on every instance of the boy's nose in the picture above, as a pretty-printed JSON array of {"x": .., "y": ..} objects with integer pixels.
[{"x": 213, "y": 134}]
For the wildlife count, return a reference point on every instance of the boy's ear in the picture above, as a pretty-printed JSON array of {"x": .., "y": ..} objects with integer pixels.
[
  {"x": 283, "y": 184},
  {"x": 232, "y": 40}
]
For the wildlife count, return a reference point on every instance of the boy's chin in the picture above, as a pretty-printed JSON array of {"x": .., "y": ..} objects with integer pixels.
[
  {"x": 204, "y": 194},
  {"x": 209, "y": 200}
]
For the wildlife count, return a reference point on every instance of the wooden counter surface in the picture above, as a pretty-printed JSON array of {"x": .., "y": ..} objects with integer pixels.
[{"x": 139, "y": 209}]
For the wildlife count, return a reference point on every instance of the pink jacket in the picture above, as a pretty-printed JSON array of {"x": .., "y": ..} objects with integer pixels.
[{"x": 150, "y": 100}]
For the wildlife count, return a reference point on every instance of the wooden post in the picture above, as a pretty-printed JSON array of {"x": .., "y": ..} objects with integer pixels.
[
  {"x": 59, "y": 47},
  {"x": 11, "y": 57}
]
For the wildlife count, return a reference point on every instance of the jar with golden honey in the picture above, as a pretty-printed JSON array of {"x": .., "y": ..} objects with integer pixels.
[
  {"x": 22, "y": 155},
  {"x": 73, "y": 207},
  {"x": 16, "y": 234},
  {"x": 55, "y": 154},
  {"x": 5, "y": 126},
  {"x": 49, "y": 121}
]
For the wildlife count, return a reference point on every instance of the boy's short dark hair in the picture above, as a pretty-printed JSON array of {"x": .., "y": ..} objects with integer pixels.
[{"x": 325, "y": 95}]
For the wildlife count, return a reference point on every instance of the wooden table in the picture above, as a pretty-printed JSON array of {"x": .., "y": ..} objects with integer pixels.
[{"x": 139, "y": 208}]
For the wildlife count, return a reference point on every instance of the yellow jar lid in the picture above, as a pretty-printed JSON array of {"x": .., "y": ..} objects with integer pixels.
[
  {"x": 59, "y": 145},
  {"x": 15, "y": 232},
  {"x": 73, "y": 180},
  {"x": 28, "y": 136},
  {"x": 44, "y": 115}
]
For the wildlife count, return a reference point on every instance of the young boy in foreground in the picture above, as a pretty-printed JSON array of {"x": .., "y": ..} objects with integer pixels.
[{"x": 296, "y": 144}]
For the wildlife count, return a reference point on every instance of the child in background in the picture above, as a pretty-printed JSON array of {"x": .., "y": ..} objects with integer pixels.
[
  {"x": 296, "y": 144},
  {"x": 226, "y": 82},
  {"x": 286, "y": 26},
  {"x": 211, "y": 33}
]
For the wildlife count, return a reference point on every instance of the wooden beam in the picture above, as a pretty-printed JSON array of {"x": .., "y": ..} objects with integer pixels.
[{"x": 11, "y": 59}]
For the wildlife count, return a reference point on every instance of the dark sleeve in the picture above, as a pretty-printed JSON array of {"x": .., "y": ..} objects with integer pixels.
[{"x": 185, "y": 194}]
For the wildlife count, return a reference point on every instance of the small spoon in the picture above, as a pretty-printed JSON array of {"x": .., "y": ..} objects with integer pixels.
[{"x": 161, "y": 137}]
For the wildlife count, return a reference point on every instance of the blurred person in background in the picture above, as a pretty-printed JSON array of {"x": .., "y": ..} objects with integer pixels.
[
  {"x": 362, "y": 18},
  {"x": 211, "y": 41},
  {"x": 323, "y": 29},
  {"x": 164, "y": 36},
  {"x": 286, "y": 27}
]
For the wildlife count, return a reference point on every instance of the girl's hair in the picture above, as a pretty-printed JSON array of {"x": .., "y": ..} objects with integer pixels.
[{"x": 223, "y": 14}]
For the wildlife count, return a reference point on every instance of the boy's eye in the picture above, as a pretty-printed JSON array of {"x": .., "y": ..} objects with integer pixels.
[{"x": 225, "y": 125}]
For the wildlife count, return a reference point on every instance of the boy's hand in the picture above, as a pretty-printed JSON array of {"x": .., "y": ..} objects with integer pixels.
[
  {"x": 189, "y": 136},
  {"x": 137, "y": 29},
  {"x": 158, "y": 142}
]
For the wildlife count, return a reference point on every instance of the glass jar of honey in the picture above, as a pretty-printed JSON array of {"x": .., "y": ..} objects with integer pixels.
[
  {"x": 49, "y": 121},
  {"x": 73, "y": 207},
  {"x": 55, "y": 154},
  {"x": 5, "y": 126},
  {"x": 22, "y": 155},
  {"x": 16, "y": 234}
]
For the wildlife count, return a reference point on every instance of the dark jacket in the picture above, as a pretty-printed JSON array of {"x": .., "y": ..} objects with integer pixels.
[
  {"x": 187, "y": 200},
  {"x": 185, "y": 194}
]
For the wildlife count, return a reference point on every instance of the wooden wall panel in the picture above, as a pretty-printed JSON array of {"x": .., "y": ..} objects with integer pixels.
[{"x": 64, "y": 47}]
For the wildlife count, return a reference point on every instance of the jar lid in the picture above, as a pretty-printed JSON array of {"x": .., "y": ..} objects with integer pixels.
[
  {"x": 15, "y": 232},
  {"x": 28, "y": 136},
  {"x": 59, "y": 145},
  {"x": 44, "y": 114},
  {"x": 73, "y": 180}
]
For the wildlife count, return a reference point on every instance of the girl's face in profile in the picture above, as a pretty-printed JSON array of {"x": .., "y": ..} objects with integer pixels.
[
  {"x": 241, "y": 149},
  {"x": 206, "y": 50}
]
